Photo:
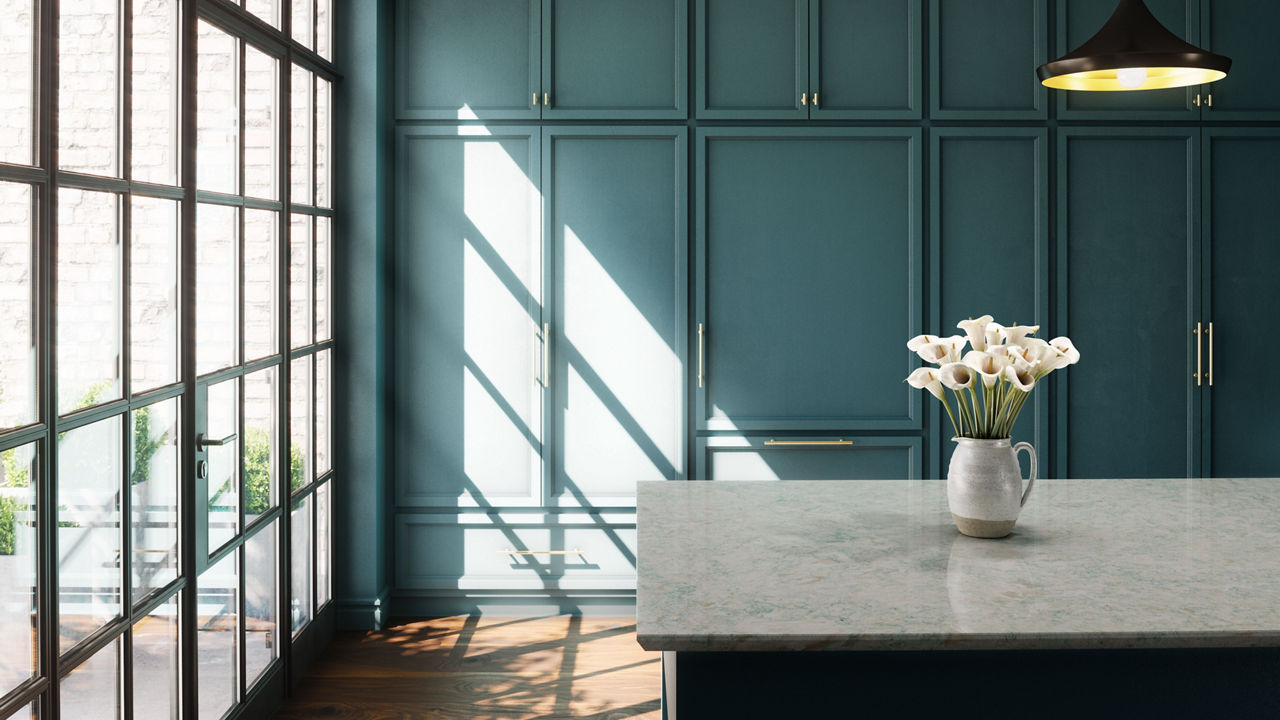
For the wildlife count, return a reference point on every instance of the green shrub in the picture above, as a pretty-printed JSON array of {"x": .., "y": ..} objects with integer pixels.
[
  {"x": 8, "y": 525},
  {"x": 257, "y": 470}
]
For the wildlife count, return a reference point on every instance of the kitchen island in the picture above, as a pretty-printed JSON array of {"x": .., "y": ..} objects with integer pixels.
[{"x": 1110, "y": 596}]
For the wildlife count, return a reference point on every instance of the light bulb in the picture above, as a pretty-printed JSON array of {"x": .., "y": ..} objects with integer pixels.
[{"x": 1131, "y": 77}]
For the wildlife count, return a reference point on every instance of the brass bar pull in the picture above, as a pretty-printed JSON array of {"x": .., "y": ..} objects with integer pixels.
[
  {"x": 1197, "y": 100},
  {"x": 1211, "y": 354},
  {"x": 807, "y": 443},
  {"x": 546, "y": 99},
  {"x": 1196, "y": 374},
  {"x": 804, "y": 98},
  {"x": 546, "y": 354},
  {"x": 511, "y": 551},
  {"x": 1209, "y": 102},
  {"x": 815, "y": 99},
  {"x": 701, "y": 334},
  {"x": 535, "y": 98}
]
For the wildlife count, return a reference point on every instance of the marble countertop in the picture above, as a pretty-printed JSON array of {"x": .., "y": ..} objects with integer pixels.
[{"x": 878, "y": 565}]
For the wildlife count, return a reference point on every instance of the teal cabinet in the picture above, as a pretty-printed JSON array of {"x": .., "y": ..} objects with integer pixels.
[
  {"x": 1240, "y": 220},
  {"x": 1129, "y": 284},
  {"x": 1245, "y": 32},
  {"x": 809, "y": 276},
  {"x": 755, "y": 457},
  {"x": 464, "y": 59},
  {"x": 616, "y": 225},
  {"x": 864, "y": 59},
  {"x": 467, "y": 311},
  {"x": 528, "y": 59},
  {"x": 799, "y": 59},
  {"x": 1078, "y": 20},
  {"x": 614, "y": 59},
  {"x": 983, "y": 59},
  {"x": 989, "y": 245}
]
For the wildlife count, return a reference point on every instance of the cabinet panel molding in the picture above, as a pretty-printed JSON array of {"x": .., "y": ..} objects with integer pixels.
[{"x": 983, "y": 56}]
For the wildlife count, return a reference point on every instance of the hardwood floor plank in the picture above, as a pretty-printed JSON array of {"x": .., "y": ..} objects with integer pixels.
[{"x": 482, "y": 668}]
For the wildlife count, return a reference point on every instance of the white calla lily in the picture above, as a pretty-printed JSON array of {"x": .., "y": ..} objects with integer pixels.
[
  {"x": 989, "y": 365},
  {"x": 919, "y": 341},
  {"x": 1021, "y": 379},
  {"x": 926, "y": 378},
  {"x": 1064, "y": 345},
  {"x": 976, "y": 330},
  {"x": 1017, "y": 335},
  {"x": 957, "y": 376}
]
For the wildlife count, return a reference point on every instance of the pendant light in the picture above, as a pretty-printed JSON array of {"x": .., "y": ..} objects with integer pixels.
[{"x": 1133, "y": 51}]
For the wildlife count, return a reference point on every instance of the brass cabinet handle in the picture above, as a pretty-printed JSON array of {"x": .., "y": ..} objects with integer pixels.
[
  {"x": 546, "y": 99},
  {"x": 1210, "y": 354},
  {"x": 512, "y": 551},
  {"x": 1196, "y": 374},
  {"x": 815, "y": 99},
  {"x": 1197, "y": 100},
  {"x": 1209, "y": 102},
  {"x": 535, "y": 98},
  {"x": 700, "y": 353},
  {"x": 804, "y": 98},
  {"x": 807, "y": 443}
]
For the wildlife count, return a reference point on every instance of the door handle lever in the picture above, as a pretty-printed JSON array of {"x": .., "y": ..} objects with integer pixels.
[{"x": 203, "y": 441}]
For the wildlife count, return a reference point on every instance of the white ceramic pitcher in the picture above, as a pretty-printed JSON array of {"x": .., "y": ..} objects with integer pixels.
[{"x": 984, "y": 486}]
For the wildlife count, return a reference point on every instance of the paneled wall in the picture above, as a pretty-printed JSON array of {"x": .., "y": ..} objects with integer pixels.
[{"x": 659, "y": 239}]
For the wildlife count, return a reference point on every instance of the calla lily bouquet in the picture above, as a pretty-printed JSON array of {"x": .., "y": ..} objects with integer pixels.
[{"x": 991, "y": 382}]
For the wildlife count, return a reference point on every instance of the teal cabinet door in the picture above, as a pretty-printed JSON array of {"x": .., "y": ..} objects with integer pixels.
[
  {"x": 1241, "y": 217},
  {"x": 808, "y": 268},
  {"x": 752, "y": 59},
  {"x": 467, "y": 412},
  {"x": 984, "y": 54},
  {"x": 466, "y": 59},
  {"x": 614, "y": 59},
  {"x": 989, "y": 244},
  {"x": 1078, "y": 20},
  {"x": 809, "y": 458},
  {"x": 617, "y": 226},
  {"x": 1128, "y": 239},
  {"x": 864, "y": 59},
  {"x": 1244, "y": 31}
]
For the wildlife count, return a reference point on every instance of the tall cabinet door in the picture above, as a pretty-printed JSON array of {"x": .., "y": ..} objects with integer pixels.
[
  {"x": 1243, "y": 30},
  {"x": 989, "y": 219},
  {"x": 809, "y": 266},
  {"x": 864, "y": 59},
  {"x": 613, "y": 59},
  {"x": 983, "y": 54},
  {"x": 1241, "y": 218},
  {"x": 617, "y": 226},
  {"x": 467, "y": 417},
  {"x": 752, "y": 59},
  {"x": 466, "y": 59},
  {"x": 1128, "y": 239}
]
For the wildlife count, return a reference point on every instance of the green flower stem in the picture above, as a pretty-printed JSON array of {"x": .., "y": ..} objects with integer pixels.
[{"x": 946, "y": 406}]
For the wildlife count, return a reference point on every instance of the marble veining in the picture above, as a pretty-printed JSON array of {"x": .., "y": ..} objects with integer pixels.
[{"x": 878, "y": 565}]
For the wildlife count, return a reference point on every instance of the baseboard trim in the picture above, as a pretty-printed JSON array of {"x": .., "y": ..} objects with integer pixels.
[
  {"x": 514, "y": 605},
  {"x": 368, "y": 613}
]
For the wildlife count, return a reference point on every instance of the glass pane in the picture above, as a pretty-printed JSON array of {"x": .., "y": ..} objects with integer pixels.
[
  {"x": 18, "y": 488},
  {"x": 92, "y": 691},
  {"x": 217, "y": 111},
  {"x": 260, "y": 74},
  {"x": 154, "y": 109},
  {"x": 17, "y": 352},
  {"x": 224, "y": 464},
  {"x": 17, "y": 47},
  {"x": 324, "y": 126},
  {"x": 153, "y": 293},
  {"x": 88, "y": 299},
  {"x": 300, "y": 564},
  {"x": 324, "y": 528},
  {"x": 88, "y": 529},
  {"x": 321, "y": 409},
  {"x": 259, "y": 283},
  {"x": 153, "y": 481},
  {"x": 156, "y": 693},
  {"x": 216, "y": 633},
  {"x": 300, "y": 136},
  {"x": 323, "y": 282},
  {"x": 260, "y": 470},
  {"x": 261, "y": 603},
  {"x": 30, "y": 712},
  {"x": 216, "y": 283},
  {"x": 300, "y": 280},
  {"x": 299, "y": 422},
  {"x": 324, "y": 37},
  {"x": 88, "y": 86},
  {"x": 303, "y": 25},
  {"x": 267, "y": 10}
]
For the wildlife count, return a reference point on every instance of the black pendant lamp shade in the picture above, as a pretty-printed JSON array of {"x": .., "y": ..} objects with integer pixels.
[{"x": 1133, "y": 51}]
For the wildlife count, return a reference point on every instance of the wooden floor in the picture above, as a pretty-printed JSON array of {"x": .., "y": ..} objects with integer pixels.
[{"x": 484, "y": 668}]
